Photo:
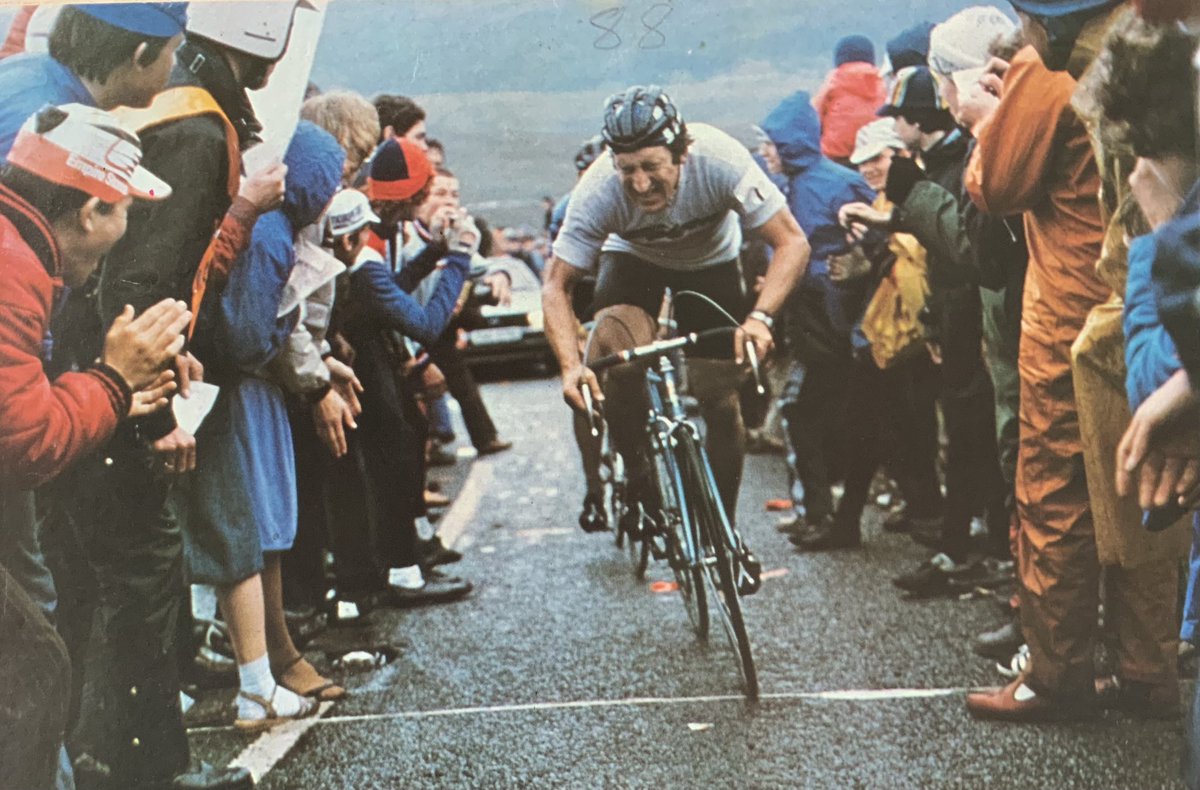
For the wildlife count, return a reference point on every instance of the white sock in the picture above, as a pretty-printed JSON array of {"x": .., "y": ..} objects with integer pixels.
[
  {"x": 256, "y": 679},
  {"x": 409, "y": 578},
  {"x": 425, "y": 530}
]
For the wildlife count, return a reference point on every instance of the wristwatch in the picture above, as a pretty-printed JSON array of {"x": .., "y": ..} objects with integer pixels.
[{"x": 764, "y": 318}]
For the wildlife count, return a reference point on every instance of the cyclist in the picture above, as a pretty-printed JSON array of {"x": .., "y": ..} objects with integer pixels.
[{"x": 668, "y": 213}]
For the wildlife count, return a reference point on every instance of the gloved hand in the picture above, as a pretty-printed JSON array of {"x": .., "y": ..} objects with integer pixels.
[
  {"x": 903, "y": 175},
  {"x": 462, "y": 235}
]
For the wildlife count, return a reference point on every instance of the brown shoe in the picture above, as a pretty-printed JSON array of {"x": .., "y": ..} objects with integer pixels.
[{"x": 1018, "y": 702}]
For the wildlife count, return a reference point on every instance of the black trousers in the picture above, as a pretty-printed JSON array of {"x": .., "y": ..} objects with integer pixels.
[
  {"x": 37, "y": 690},
  {"x": 911, "y": 413},
  {"x": 815, "y": 419},
  {"x": 464, "y": 389},
  {"x": 385, "y": 469},
  {"x": 304, "y": 581},
  {"x": 114, "y": 543},
  {"x": 974, "y": 482}
]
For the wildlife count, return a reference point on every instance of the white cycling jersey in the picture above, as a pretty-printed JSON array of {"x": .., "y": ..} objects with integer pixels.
[{"x": 719, "y": 184}]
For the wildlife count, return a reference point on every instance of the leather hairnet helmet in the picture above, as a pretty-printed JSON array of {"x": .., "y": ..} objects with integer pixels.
[
  {"x": 589, "y": 152},
  {"x": 641, "y": 117},
  {"x": 1052, "y": 8}
]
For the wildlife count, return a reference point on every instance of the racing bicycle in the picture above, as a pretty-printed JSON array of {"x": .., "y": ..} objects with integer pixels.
[{"x": 684, "y": 520}]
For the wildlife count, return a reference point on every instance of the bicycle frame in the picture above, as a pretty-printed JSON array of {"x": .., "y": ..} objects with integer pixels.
[{"x": 666, "y": 416}]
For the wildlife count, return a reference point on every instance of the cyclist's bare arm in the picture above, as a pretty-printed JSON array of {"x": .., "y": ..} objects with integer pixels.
[
  {"x": 558, "y": 285},
  {"x": 789, "y": 259}
]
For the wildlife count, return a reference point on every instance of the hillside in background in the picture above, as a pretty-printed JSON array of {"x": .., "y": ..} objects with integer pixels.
[{"x": 513, "y": 86}]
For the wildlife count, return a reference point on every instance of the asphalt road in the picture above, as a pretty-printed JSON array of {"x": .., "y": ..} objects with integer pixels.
[{"x": 562, "y": 670}]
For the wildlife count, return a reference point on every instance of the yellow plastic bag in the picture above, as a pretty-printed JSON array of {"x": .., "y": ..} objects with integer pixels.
[{"x": 892, "y": 321}]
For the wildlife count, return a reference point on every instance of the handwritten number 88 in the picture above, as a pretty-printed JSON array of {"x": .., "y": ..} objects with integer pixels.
[{"x": 608, "y": 20}]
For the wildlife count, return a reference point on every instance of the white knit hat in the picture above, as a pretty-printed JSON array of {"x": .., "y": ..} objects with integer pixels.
[
  {"x": 961, "y": 42},
  {"x": 873, "y": 139}
]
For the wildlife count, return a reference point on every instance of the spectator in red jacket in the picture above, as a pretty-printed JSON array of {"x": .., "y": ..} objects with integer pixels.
[
  {"x": 71, "y": 176},
  {"x": 848, "y": 99}
]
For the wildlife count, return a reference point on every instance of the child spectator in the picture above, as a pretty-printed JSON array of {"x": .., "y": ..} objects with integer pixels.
[{"x": 848, "y": 99}]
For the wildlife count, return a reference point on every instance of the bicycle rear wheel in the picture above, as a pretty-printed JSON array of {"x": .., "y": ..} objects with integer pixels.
[{"x": 718, "y": 565}]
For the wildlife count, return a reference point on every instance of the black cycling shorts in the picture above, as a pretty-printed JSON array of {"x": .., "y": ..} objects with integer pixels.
[{"x": 627, "y": 279}]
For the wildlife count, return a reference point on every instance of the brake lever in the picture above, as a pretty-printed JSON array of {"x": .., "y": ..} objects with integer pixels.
[
  {"x": 752, "y": 355},
  {"x": 591, "y": 413}
]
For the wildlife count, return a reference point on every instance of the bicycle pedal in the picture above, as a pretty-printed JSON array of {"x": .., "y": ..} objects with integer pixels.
[{"x": 749, "y": 574}]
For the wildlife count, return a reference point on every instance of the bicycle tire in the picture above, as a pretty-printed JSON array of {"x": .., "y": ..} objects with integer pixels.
[
  {"x": 718, "y": 567},
  {"x": 673, "y": 525}
]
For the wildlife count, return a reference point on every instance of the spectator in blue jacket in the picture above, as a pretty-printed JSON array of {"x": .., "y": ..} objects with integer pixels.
[
  {"x": 243, "y": 494},
  {"x": 820, "y": 314},
  {"x": 379, "y": 309},
  {"x": 105, "y": 55}
]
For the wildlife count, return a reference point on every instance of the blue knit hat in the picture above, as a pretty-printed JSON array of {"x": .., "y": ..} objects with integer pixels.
[
  {"x": 852, "y": 49},
  {"x": 158, "y": 20},
  {"x": 910, "y": 47}
]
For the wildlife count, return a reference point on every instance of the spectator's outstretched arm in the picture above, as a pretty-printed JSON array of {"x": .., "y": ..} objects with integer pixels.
[
  {"x": 932, "y": 215},
  {"x": 414, "y": 271},
  {"x": 46, "y": 426},
  {"x": 390, "y": 305}
]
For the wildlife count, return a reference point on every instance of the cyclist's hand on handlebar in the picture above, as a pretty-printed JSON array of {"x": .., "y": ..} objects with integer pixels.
[
  {"x": 574, "y": 381},
  {"x": 756, "y": 332}
]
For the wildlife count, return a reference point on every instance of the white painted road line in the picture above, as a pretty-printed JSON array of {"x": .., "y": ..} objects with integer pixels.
[
  {"x": 271, "y": 747},
  {"x": 843, "y": 695},
  {"x": 466, "y": 504}
]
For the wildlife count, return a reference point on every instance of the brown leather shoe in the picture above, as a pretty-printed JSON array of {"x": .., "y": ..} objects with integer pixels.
[{"x": 1018, "y": 702}]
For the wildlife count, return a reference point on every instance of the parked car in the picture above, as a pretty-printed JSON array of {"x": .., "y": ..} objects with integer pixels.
[{"x": 513, "y": 333}]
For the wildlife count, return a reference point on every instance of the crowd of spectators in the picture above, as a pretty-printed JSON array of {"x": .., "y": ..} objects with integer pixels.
[
  {"x": 993, "y": 339},
  {"x": 993, "y": 336},
  {"x": 317, "y": 300}
]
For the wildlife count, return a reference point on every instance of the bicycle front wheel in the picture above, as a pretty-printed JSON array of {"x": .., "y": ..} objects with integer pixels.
[
  {"x": 718, "y": 565},
  {"x": 672, "y": 524}
]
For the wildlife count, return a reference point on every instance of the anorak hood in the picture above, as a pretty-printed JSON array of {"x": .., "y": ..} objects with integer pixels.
[
  {"x": 314, "y": 161},
  {"x": 795, "y": 130}
]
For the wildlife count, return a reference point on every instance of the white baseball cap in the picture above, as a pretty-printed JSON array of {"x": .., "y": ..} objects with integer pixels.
[
  {"x": 873, "y": 139},
  {"x": 349, "y": 211}
]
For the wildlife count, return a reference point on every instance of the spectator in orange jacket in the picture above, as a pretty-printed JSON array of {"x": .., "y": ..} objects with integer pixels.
[
  {"x": 61, "y": 210},
  {"x": 848, "y": 99},
  {"x": 1034, "y": 155}
]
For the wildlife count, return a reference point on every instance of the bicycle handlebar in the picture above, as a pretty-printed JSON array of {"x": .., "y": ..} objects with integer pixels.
[
  {"x": 657, "y": 348},
  {"x": 660, "y": 347}
]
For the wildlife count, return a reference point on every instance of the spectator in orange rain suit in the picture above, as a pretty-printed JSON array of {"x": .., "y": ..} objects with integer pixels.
[{"x": 1035, "y": 156}]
